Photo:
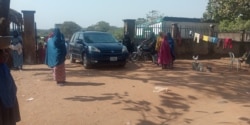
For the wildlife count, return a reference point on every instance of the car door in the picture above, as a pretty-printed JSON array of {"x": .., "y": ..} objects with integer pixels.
[
  {"x": 80, "y": 46},
  {"x": 73, "y": 46}
]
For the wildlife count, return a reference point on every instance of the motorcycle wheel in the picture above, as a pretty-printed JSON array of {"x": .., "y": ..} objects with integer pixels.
[{"x": 134, "y": 56}]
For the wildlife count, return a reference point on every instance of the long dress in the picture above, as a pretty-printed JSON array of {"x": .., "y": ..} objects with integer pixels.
[
  {"x": 55, "y": 56},
  {"x": 9, "y": 109},
  {"x": 17, "y": 54},
  {"x": 165, "y": 57}
]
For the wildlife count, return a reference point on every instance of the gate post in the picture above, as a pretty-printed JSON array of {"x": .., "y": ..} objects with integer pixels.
[
  {"x": 129, "y": 27},
  {"x": 29, "y": 42}
]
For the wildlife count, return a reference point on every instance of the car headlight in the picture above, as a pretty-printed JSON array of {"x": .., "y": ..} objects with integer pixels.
[
  {"x": 124, "y": 49},
  {"x": 93, "y": 49}
]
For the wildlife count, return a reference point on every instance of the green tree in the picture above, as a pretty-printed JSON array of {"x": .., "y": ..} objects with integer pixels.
[
  {"x": 68, "y": 28},
  {"x": 153, "y": 15},
  {"x": 227, "y": 10},
  {"x": 117, "y": 32},
  {"x": 100, "y": 26},
  {"x": 103, "y": 26},
  {"x": 150, "y": 17}
]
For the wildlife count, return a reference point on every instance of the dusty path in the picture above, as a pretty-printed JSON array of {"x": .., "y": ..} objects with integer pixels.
[{"x": 114, "y": 96}]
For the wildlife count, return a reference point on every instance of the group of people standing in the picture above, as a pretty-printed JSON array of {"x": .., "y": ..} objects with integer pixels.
[
  {"x": 165, "y": 50},
  {"x": 161, "y": 48}
]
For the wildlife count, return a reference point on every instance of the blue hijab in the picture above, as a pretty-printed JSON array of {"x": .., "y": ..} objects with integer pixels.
[
  {"x": 7, "y": 87},
  {"x": 170, "y": 40},
  {"x": 56, "y": 50},
  {"x": 171, "y": 44}
]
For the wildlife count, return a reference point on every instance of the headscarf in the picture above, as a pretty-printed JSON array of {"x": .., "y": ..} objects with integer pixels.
[
  {"x": 56, "y": 49},
  {"x": 170, "y": 40},
  {"x": 16, "y": 38},
  {"x": 7, "y": 87},
  {"x": 171, "y": 44}
]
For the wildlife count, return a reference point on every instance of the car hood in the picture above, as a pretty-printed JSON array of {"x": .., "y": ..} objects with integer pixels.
[{"x": 107, "y": 46}]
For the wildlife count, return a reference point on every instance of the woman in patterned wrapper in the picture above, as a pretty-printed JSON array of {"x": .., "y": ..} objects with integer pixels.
[{"x": 55, "y": 56}]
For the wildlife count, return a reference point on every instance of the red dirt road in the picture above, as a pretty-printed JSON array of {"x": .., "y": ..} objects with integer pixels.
[{"x": 127, "y": 96}]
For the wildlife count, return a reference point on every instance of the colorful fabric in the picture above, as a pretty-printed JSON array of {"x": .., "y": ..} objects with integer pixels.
[
  {"x": 215, "y": 40},
  {"x": 7, "y": 87},
  {"x": 228, "y": 43},
  {"x": 56, "y": 50},
  {"x": 158, "y": 43},
  {"x": 59, "y": 73},
  {"x": 197, "y": 37},
  {"x": 205, "y": 38},
  {"x": 165, "y": 57}
]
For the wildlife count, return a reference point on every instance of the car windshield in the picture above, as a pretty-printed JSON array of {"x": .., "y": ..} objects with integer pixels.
[{"x": 99, "y": 38}]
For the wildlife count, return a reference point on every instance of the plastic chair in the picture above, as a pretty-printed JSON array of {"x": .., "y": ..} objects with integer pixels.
[{"x": 232, "y": 60}]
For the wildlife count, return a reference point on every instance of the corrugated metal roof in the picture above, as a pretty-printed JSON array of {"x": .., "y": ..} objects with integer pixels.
[
  {"x": 15, "y": 17},
  {"x": 182, "y": 19}
]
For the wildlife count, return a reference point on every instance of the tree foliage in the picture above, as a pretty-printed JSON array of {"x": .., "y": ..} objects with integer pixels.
[
  {"x": 153, "y": 15},
  {"x": 68, "y": 28},
  {"x": 237, "y": 25},
  {"x": 105, "y": 27},
  {"x": 100, "y": 26},
  {"x": 233, "y": 15},
  {"x": 117, "y": 32},
  {"x": 227, "y": 10},
  {"x": 150, "y": 17}
]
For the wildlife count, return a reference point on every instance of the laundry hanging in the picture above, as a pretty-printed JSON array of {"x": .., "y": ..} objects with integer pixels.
[
  {"x": 197, "y": 37},
  {"x": 214, "y": 39},
  {"x": 205, "y": 38},
  {"x": 228, "y": 43}
]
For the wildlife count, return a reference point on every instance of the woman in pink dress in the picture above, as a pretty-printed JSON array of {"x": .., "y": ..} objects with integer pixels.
[{"x": 165, "y": 57}]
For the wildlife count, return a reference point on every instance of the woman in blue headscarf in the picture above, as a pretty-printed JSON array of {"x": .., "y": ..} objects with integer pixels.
[
  {"x": 55, "y": 56},
  {"x": 9, "y": 109},
  {"x": 171, "y": 45}
]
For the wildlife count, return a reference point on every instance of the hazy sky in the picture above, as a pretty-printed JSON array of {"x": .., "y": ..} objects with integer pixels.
[{"x": 89, "y": 12}]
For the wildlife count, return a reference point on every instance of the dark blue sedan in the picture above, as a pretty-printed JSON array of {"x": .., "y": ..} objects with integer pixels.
[{"x": 97, "y": 48}]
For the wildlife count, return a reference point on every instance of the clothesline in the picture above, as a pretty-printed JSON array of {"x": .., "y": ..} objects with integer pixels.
[{"x": 227, "y": 42}]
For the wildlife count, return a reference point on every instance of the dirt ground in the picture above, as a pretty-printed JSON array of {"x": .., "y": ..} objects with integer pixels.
[{"x": 139, "y": 94}]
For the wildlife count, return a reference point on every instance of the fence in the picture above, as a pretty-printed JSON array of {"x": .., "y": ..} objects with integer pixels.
[
  {"x": 143, "y": 32},
  {"x": 189, "y": 47}
]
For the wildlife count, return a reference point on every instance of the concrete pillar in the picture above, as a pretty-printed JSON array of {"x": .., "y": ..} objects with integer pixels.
[
  {"x": 29, "y": 41},
  {"x": 129, "y": 27}
]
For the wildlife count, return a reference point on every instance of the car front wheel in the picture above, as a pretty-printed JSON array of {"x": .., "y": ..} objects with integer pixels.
[{"x": 86, "y": 62}]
